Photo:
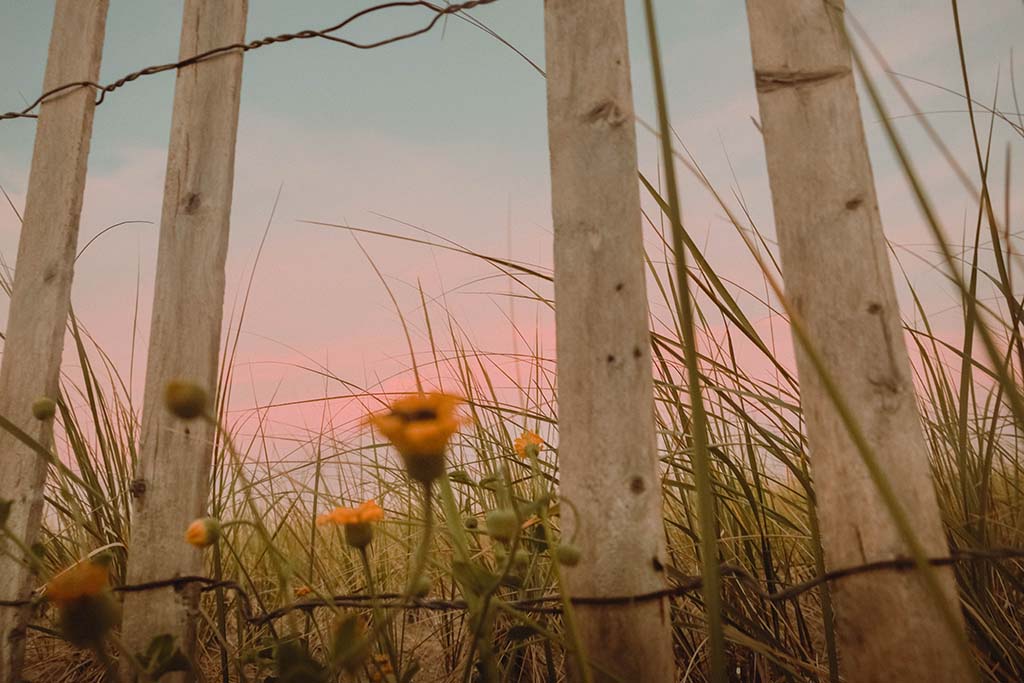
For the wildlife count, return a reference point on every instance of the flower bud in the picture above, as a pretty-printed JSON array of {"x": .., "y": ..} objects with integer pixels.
[
  {"x": 471, "y": 522},
  {"x": 421, "y": 587},
  {"x": 568, "y": 554},
  {"x": 502, "y": 525},
  {"x": 203, "y": 532},
  {"x": 44, "y": 408},
  {"x": 185, "y": 399}
]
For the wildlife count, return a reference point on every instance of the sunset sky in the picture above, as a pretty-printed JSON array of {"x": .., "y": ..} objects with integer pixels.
[{"x": 448, "y": 131}]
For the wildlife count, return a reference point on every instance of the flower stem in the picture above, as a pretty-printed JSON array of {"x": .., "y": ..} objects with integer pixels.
[
  {"x": 378, "y": 613},
  {"x": 568, "y": 613},
  {"x": 419, "y": 564}
]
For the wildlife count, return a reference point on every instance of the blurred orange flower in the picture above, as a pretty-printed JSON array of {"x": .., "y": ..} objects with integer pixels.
[
  {"x": 381, "y": 667},
  {"x": 525, "y": 441},
  {"x": 82, "y": 580},
  {"x": 420, "y": 427},
  {"x": 302, "y": 591}
]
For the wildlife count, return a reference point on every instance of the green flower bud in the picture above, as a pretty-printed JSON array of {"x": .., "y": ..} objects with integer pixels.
[
  {"x": 185, "y": 399},
  {"x": 568, "y": 554},
  {"x": 502, "y": 525},
  {"x": 421, "y": 587},
  {"x": 44, "y": 408}
]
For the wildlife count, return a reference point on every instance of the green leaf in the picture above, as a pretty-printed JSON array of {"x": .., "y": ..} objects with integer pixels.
[
  {"x": 162, "y": 657},
  {"x": 473, "y": 576}
]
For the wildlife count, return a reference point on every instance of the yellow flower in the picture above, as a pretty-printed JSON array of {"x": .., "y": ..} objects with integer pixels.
[
  {"x": 203, "y": 532},
  {"x": 83, "y": 580},
  {"x": 527, "y": 440},
  {"x": 356, "y": 521},
  {"x": 419, "y": 427}
]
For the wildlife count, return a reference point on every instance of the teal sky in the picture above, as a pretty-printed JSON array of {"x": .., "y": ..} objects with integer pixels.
[{"x": 447, "y": 131}]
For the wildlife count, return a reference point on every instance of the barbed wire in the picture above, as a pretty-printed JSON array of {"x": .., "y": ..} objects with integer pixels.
[
  {"x": 551, "y": 604},
  {"x": 325, "y": 34}
]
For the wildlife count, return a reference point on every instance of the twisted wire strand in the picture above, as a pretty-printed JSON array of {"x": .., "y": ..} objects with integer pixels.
[
  {"x": 325, "y": 34},
  {"x": 549, "y": 604}
]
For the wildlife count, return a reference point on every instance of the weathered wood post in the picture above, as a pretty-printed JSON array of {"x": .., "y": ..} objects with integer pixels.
[
  {"x": 172, "y": 483},
  {"x": 607, "y": 455},
  {"x": 42, "y": 289},
  {"x": 837, "y": 276}
]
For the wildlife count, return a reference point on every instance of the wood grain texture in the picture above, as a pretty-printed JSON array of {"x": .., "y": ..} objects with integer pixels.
[
  {"x": 607, "y": 455},
  {"x": 42, "y": 288},
  {"x": 172, "y": 483},
  {"x": 837, "y": 274}
]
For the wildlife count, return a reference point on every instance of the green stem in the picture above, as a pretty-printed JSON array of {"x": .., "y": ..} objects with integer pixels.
[
  {"x": 222, "y": 616},
  {"x": 419, "y": 564},
  {"x": 568, "y": 612},
  {"x": 378, "y": 613},
  {"x": 453, "y": 518}
]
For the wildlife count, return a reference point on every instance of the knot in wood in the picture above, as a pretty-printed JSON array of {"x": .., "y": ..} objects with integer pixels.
[
  {"x": 192, "y": 202},
  {"x": 137, "y": 487},
  {"x": 607, "y": 111},
  {"x": 768, "y": 81}
]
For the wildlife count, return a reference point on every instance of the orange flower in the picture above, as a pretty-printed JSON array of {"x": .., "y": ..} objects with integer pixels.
[
  {"x": 527, "y": 440},
  {"x": 419, "y": 427},
  {"x": 302, "y": 591},
  {"x": 358, "y": 522},
  {"x": 381, "y": 667},
  {"x": 203, "y": 532},
  {"x": 364, "y": 514},
  {"x": 83, "y": 580}
]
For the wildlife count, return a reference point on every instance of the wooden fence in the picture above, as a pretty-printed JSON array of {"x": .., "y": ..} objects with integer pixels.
[{"x": 823, "y": 195}]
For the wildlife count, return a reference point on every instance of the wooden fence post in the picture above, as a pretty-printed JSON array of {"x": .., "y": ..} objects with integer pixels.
[
  {"x": 607, "y": 455},
  {"x": 41, "y": 296},
  {"x": 172, "y": 483},
  {"x": 837, "y": 275}
]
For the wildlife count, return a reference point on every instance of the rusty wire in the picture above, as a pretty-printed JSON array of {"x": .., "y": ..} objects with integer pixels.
[
  {"x": 550, "y": 604},
  {"x": 325, "y": 34}
]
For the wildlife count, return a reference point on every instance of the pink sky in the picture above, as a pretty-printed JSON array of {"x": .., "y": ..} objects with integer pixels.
[{"x": 316, "y": 297}]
